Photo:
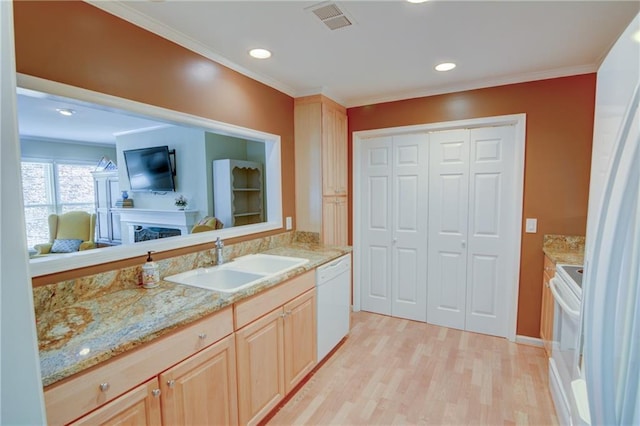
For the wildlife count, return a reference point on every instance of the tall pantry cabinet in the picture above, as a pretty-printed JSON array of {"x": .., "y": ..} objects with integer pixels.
[{"x": 321, "y": 168}]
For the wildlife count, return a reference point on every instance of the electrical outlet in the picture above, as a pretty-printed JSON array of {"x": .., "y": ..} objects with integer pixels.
[
  {"x": 531, "y": 225},
  {"x": 289, "y": 223}
]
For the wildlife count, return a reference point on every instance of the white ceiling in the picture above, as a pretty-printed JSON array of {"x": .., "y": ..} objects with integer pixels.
[
  {"x": 390, "y": 50},
  {"x": 387, "y": 54}
]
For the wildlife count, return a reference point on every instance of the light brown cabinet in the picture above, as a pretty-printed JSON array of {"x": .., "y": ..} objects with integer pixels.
[
  {"x": 299, "y": 339},
  {"x": 334, "y": 149},
  {"x": 202, "y": 389},
  {"x": 204, "y": 373},
  {"x": 276, "y": 350},
  {"x": 140, "y": 406},
  {"x": 546, "y": 312},
  {"x": 334, "y": 221},
  {"x": 104, "y": 386},
  {"x": 321, "y": 168},
  {"x": 260, "y": 367}
]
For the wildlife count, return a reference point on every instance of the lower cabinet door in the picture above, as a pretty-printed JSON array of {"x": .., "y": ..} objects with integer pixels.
[
  {"x": 546, "y": 316},
  {"x": 299, "y": 338},
  {"x": 334, "y": 221},
  {"x": 202, "y": 390},
  {"x": 260, "y": 358},
  {"x": 139, "y": 406}
]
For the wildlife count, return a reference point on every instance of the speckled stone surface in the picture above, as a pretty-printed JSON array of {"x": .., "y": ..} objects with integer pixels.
[
  {"x": 564, "y": 249},
  {"x": 84, "y": 322}
]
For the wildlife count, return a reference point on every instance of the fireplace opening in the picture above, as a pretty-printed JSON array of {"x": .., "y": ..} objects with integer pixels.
[{"x": 146, "y": 233}]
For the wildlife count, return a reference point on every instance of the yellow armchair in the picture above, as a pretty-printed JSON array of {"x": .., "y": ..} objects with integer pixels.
[
  {"x": 209, "y": 223},
  {"x": 69, "y": 232}
]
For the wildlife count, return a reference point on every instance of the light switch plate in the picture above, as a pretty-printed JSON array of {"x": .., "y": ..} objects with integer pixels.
[
  {"x": 531, "y": 225},
  {"x": 289, "y": 223}
]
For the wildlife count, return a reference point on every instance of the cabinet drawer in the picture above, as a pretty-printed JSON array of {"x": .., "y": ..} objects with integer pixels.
[
  {"x": 140, "y": 406},
  {"x": 69, "y": 399},
  {"x": 251, "y": 309}
]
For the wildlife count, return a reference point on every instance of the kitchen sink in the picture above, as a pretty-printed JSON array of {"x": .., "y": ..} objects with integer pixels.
[
  {"x": 238, "y": 274},
  {"x": 216, "y": 278},
  {"x": 266, "y": 263}
]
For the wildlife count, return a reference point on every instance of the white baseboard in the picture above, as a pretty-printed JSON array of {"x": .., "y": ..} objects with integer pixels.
[{"x": 531, "y": 341}]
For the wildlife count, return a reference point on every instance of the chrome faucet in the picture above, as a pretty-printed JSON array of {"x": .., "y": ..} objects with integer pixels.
[{"x": 219, "y": 255}]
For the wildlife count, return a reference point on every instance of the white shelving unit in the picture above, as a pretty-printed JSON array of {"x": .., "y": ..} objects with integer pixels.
[
  {"x": 107, "y": 193},
  {"x": 238, "y": 192}
]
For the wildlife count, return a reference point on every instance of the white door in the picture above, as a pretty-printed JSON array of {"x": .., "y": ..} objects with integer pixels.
[
  {"x": 472, "y": 221},
  {"x": 448, "y": 213},
  {"x": 409, "y": 239},
  {"x": 394, "y": 229},
  {"x": 375, "y": 222},
  {"x": 492, "y": 224}
]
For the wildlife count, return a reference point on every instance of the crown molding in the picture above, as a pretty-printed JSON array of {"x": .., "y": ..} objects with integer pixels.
[
  {"x": 473, "y": 85},
  {"x": 141, "y": 20},
  {"x": 127, "y": 13}
]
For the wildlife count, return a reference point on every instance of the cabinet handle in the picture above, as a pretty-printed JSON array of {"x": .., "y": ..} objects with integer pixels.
[
  {"x": 288, "y": 312},
  {"x": 156, "y": 392},
  {"x": 283, "y": 315},
  {"x": 202, "y": 336},
  {"x": 171, "y": 383},
  {"x": 104, "y": 386}
]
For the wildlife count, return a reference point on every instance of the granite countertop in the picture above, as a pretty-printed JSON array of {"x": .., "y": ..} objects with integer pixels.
[
  {"x": 89, "y": 332},
  {"x": 564, "y": 249}
]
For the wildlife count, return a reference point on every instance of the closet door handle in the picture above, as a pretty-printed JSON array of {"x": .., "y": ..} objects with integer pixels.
[{"x": 464, "y": 244}]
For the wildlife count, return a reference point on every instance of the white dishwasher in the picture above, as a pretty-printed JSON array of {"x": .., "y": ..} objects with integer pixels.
[{"x": 333, "y": 303}]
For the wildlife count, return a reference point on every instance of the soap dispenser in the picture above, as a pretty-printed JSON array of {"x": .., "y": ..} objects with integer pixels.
[{"x": 150, "y": 273}]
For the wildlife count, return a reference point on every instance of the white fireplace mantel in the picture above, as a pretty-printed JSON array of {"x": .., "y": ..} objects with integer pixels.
[{"x": 175, "y": 219}]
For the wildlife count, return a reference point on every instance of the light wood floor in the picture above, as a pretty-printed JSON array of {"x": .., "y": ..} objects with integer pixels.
[{"x": 392, "y": 372}]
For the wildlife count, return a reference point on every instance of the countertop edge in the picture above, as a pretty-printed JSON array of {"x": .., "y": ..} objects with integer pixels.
[{"x": 564, "y": 257}]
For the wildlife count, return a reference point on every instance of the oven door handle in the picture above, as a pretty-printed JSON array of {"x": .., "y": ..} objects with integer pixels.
[{"x": 556, "y": 295}]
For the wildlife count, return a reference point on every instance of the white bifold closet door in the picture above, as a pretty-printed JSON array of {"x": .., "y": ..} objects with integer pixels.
[
  {"x": 471, "y": 223},
  {"x": 394, "y": 203}
]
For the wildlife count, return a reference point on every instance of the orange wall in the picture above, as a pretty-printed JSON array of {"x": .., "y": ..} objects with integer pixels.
[
  {"x": 78, "y": 44},
  {"x": 557, "y": 158}
]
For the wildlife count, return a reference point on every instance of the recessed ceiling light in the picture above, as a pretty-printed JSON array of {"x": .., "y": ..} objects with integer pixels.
[
  {"x": 260, "y": 53},
  {"x": 416, "y": 1},
  {"x": 445, "y": 66},
  {"x": 66, "y": 111}
]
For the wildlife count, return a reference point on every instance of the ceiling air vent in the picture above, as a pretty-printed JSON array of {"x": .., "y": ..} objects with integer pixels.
[{"x": 331, "y": 15}]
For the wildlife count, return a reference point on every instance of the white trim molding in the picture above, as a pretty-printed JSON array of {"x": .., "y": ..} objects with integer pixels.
[{"x": 529, "y": 341}]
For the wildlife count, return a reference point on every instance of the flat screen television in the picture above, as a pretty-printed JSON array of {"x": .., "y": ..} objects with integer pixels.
[{"x": 149, "y": 169}]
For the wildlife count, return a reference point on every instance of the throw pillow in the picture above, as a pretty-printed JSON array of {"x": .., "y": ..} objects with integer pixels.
[{"x": 65, "y": 246}]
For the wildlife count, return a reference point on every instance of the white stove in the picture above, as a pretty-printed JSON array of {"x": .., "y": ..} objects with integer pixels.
[
  {"x": 566, "y": 287},
  {"x": 572, "y": 275}
]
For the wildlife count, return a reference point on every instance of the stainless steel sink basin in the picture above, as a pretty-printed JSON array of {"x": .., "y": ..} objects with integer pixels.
[{"x": 238, "y": 274}]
